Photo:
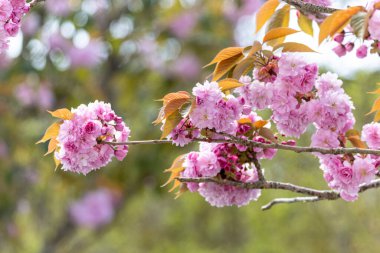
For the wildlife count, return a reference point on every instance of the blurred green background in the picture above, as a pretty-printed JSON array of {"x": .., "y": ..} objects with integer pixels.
[{"x": 130, "y": 53}]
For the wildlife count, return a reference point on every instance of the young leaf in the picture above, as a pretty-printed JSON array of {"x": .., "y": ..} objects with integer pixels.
[
  {"x": 375, "y": 107},
  {"x": 280, "y": 19},
  {"x": 377, "y": 116},
  {"x": 278, "y": 32},
  {"x": 265, "y": 12},
  {"x": 260, "y": 124},
  {"x": 243, "y": 67},
  {"x": 359, "y": 24},
  {"x": 53, "y": 143},
  {"x": 267, "y": 134},
  {"x": 63, "y": 113},
  {"x": 57, "y": 162},
  {"x": 251, "y": 50},
  {"x": 225, "y": 54},
  {"x": 354, "y": 137},
  {"x": 305, "y": 24},
  {"x": 245, "y": 121},
  {"x": 294, "y": 47},
  {"x": 229, "y": 84},
  {"x": 337, "y": 21},
  {"x": 177, "y": 100},
  {"x": 226, "y": 65},
  {"x": 50, "y": 133},
  {"x": 175, "y": 169},
  {"x": 170, "y": 123}
]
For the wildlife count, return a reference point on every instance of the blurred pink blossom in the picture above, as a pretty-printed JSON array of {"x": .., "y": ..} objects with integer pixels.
[
  {"x": 30, "y": 24},
  {"x": 187, "y": 67},
  {"x": 58, "y": 8},
  {"x": 94, "y": 209},
  {"x": 183, "y": 25},
  {"x": 89, "y": 56},
  {"x": 41, "y": 96}
]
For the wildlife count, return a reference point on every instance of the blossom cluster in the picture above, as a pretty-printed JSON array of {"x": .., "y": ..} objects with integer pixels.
[
  {"x": 80, "y": 147},
  {"x": 11, "y": 12},
  {"x": 223, "y": 160},
  {"x": 227, "y": 160},
  {"x": 298, "y": 96}
]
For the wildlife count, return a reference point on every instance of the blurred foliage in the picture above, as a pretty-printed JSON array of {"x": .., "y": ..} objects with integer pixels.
[{"x": 140, "y": 64}]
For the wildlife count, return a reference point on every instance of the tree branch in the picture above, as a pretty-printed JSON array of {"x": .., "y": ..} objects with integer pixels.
[
  {"x": 297, "y": 149},
  {"x": 315, "y": 195},
  {"x": 310, "y": 8},
  {"x": 289, "y": 201}
]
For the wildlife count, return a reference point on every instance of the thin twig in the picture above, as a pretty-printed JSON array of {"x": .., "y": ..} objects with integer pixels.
[
  {"x": 289, "y": 201},
  {"x": 297, "y": 149}
]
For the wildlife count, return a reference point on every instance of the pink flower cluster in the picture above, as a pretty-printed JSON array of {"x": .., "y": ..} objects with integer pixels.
[
  {"x": 80, "y": 149},
  {"x": 345, "y": 176},
  {"x": 213, "y": 109},
  {"x": 11, "y": 12},
  {"x": 94, "y": 209},
  {"x": 345, "y": 173},
  {"x": 298, "y": 97},
  {"x": 221, "y": 160},
  {"x": 183, "y": 133},
  {"x": 374, "y": 24}
]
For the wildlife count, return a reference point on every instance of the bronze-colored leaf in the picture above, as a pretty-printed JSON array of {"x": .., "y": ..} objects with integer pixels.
[
  {"x": 375, "y": 107},
  {"x": 280, "y": 19},
  {"x": 265, "y": 12},
  {"x": 260, "y": 124},
  {"x": 354, "y": 137},
  {"x": 229, "y": 84},
  {"x": 337, "y": 21},
  {"x": 243, "y": 67},
  {"x": 225, "y": 66},
  {"x": 51, "y": 132},
  {"x": 170, "y": 123},
  {"x": 278, "y": 32},
  {"x": 63, "y": 113},
  {"x": 245, "y": 121},
  {"x": 294, "y": 47},
  {"x": 225, "y": 54},
  {"x": 53, "y": 143},
  {"x": 267, "y": 134},
  {"x": 175, "y": 104},
  {"x": 305, "y": 24}
]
